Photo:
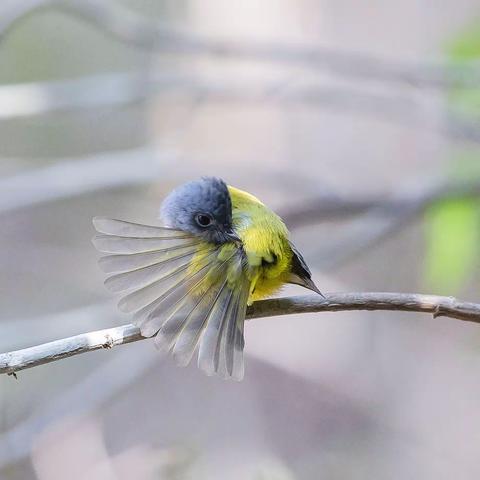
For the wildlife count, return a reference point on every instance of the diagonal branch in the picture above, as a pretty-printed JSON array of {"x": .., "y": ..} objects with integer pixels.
[
  {"x": 415, "y": 198},
  {"x": 15, "y": 361},
  {"x": 78, "y": 176},
  {"x": 385, "y": 218}
]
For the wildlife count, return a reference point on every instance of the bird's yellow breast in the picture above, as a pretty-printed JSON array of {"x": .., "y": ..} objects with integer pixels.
[{"x": 265, "y": 241}]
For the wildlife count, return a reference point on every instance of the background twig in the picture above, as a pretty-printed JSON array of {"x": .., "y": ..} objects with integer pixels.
[
  {"x": 329, "y": 207},
  {"x": 139, "y": 31},
  {"x": 385, "y": 218}
]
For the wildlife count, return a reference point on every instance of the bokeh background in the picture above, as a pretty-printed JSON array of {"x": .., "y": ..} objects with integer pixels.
[{"x": 356, "y": 120}]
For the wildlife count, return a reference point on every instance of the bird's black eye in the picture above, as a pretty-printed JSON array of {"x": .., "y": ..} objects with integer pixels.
[{"x": 203, "y": 220}]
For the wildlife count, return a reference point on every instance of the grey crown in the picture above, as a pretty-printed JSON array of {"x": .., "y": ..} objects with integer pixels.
[{"x": 208, "y": 196}]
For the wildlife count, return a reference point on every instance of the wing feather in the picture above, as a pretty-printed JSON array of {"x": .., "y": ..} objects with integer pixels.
[
  {"x": 189, "y": 337},
  {"x": 180, "y": 288},
  {"x": 216, "y": 353},
  {"x": 125, "y": 263},
  {"x": 169, "y": 312},
  {"x": 128, "y": 245},
  {"x": 155, "y": 292},
  {"x": 182, "y": 332},
  {"x": 143, "y": 276},
  {"x": 209, "y": 351},
  {"x": 238, "y": 369},
  {"x": 233, "y": 338},
  {"x": 120, "y": 228},
  {"x": 170, "y": 329}
]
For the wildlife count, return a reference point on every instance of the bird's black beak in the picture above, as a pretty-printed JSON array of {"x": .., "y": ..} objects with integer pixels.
[
  {"x": 305, "y": 281},
  {"x": 308, "y": 283}
]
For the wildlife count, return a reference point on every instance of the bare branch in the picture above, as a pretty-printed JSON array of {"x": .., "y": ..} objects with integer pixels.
[
  {"x": 335, "y": 302},
  {"x": 139, "y": 31},
  {"x": 12, "y": 362}
]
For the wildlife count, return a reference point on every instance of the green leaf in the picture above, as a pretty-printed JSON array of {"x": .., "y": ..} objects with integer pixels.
[
  {"x": 452, "y": 239},
  {"x": 465, "y": 48},
  {"x": 452, "y": 227},
  {"x": 466, "y": 45}
]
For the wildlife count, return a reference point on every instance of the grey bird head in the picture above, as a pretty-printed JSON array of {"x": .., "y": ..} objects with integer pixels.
[{"x": 203, "y": 208}]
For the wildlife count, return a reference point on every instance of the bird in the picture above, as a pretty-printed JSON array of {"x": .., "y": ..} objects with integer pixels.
[{"x": 189, "y": 282}]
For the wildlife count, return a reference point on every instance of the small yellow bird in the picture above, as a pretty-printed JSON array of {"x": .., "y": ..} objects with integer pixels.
[{"x": 190, "y": 281}]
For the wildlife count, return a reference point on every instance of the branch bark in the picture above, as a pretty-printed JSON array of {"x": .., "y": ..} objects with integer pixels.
[{"x": 12, "y": 362}]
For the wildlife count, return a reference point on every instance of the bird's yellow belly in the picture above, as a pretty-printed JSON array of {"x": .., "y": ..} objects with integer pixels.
[
  {"x": 267, "y": 260},
  {"x": 265, "y": 287},
  {"x": 265, "y": 243}
]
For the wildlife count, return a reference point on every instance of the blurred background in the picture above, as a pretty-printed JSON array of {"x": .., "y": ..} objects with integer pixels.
[{"x": 357, "y": 121}]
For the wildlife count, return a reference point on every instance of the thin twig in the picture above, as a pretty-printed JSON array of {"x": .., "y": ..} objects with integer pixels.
[
  {"x": 115, "y": 90},
  {"x": 331, "y": 207},
  {"x": 114, "y": 169},
  {"x": 12, "y": 362},
  {"x": 69, "y": 177},
  {"x": 381, "y": 220},
  {"x": 141, "y": 32},
  {"x": 118, "y": 89}
]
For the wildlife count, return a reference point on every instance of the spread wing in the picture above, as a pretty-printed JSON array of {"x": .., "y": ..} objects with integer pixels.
[{"x": 181, "y": 289}]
